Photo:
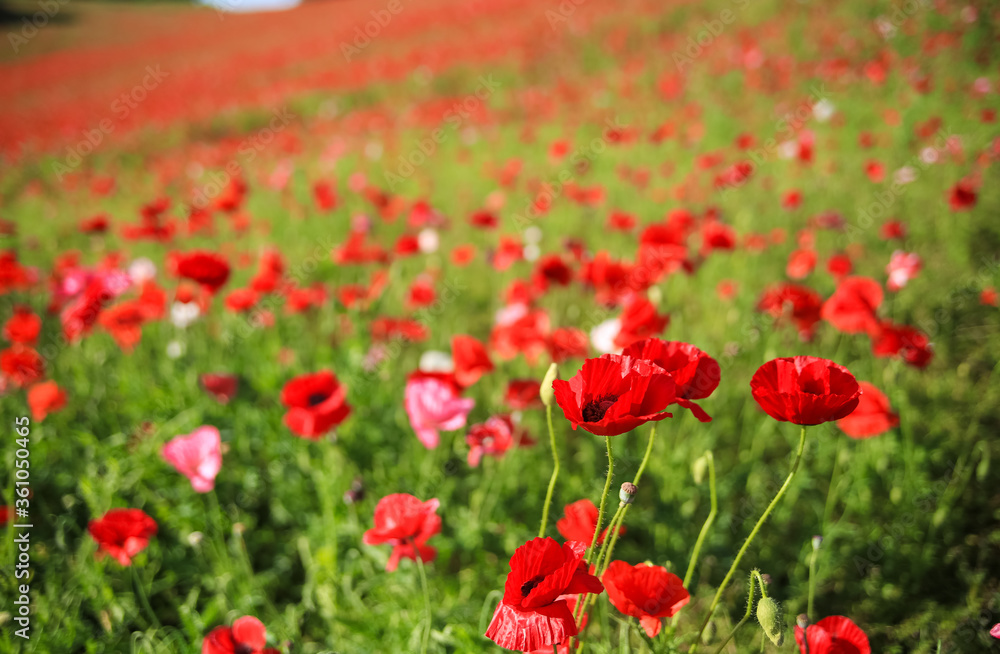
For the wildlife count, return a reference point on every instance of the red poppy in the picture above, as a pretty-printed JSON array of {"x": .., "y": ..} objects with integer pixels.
[
  {"x": 316, "y": 404},
  {"x": 962, "y": 196},
  {"x": 23, "y": 327},
  {"x": 420, "y": 294},
  {"x": 523, "y": 394},
  {"x": 892, "y": 230},
  {"x": 406, "y": 523},
  {"x": 640, "y": 320},
  {"x": 644, "y": 591},
  {"x": 525, "y": 332},
  {"x": 470, "y": 358},
  {"x": 872, "y": 417},
  {"x": 494, "y": 437},
  {"x": 567, "y": 343},
  {"x": 801, "y": 304},
  {"x": 534, "y": 611},
  {"x": 246, "y": 636},
  {"x": 45, "y": 398},
  {"x": 615, "y": 394},
  {"x": 805, "y": 390},
  {"x": 209, "y": 269},
  {"x": 221, "y": 386},
  {"x": 552, "y": 269},
  {"x": 580, "y": 521},
  {"x": 989, "y": 297},
  {"x": 832, "y": 635},
  {"x": 21, "y": 365},
  {"x": 385, "y": 328},
  {"x": 124, "y": 322},
  {"x": 123, "y": 533},
  {"x": 851, "y": 308},
  {"x": 800, "y": 263},
  {"x": 909, "y": 343},
  {"x": 241, "y": 299},
  {"x": 695, "y": 373},
  {"x": 839, "y": 265}
]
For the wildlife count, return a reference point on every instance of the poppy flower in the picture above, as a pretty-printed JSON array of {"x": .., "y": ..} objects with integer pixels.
[
  {"x": 220, "y": 385},
  {"x": 805, "y": 390},
  {"x": 23, "y": 327},
  {"x": 640, "y": 320},
  {"x": 800, "y": 304},
  {"x": 695, "y": 374},
  {"x": 567, "y": 343},
  {"x": 615, "y": 394},
  {"x": 246, "y": 636},
  {"x": 534, "y": 611},
  {"x": 209, "y": 269},
  {"x": 494, "y": 437},
  {"x": 123, "y": 533},
  {"x": 832, "y": 635},
  {"x": 801, "y": 263},
  {"x": 197, "y": 456},
  {"x": 433, "y": 403},
  {"x": 995, "y": 631},
  {"x": 892, "y": 230},
  {"x": 523, "y": 394},
  {"x": 908, "y": 343},
  {"x": 851, "y": 308},
  {"x": 520, "y": 330},
  {"x": 471, "y": 359},
  {"x": 989, "y": 297},
  {"x": 21, "y": 365},
  {"x": 124, "y": 322},
  {"x": 45, "y": 398},
  {"x": 962, "y": 196},
  {"x": 872, "y": 417},
  {"x": 316, "y": 404},
  {"x": 580, "y": 522},
  {"x": 902, "y": 268},
  {"x": 647, "y": 592},
  {"x": 839, "y": 265},
  {"x": 406, "y": 523},
  {"x": 241, "y": 299}
]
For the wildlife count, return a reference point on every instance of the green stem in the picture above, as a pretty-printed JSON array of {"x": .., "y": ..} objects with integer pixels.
[
  {"x": 141, "y": 593},
  {"x": 555, "y": 472},
  {"x": 812, "y": 583},
  {"x": 427, "y": 601},
  {"x": 754, "y": 578},
  {"x": 830, "y": 491},
  {"x": 614, "y": 532},
  {"x": 604, "y": 499},
  {"x": 746, "y": 543},
  {"x": 708, "y": 521}
]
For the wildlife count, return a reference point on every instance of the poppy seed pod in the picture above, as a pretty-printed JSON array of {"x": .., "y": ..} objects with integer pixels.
[
  {"x": 627, "y": 492},
  {"x": 546, "y": 391},
  {"x": 771, "y": 620}
]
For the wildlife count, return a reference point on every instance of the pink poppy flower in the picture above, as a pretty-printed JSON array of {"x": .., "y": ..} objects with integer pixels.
[
  {"x": 197, "y": 456},
  {"x": 433, "y": 403},
  {"x": 902, "y": 268}
]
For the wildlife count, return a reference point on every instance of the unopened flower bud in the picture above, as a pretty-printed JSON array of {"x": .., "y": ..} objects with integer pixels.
[
  {"x": 817, "y": 541},
  {"x": 771, "y": 620},
  {"x": 546, "y": 392},
  {"x": 698, "y": 468},
  {"x": 627, "y": 492},
  {"x": 802, "y": 621}
]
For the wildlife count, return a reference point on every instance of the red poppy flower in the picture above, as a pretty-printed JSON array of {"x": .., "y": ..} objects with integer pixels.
[
  {"x": 567, "y": 343},
  {"x": 552, "y": 269},
  {"x": 640, "y": 320},
  {"x": 525, "y": 332},
  {"x": 45, "y": 398},
  {"x": 580, "y": 521},
  {"x": 851, "y": 308},
  {"x": 872, "y": 417},
  {"x": 406, "y": 523},
  {"x": 206, "y": 268},
  {"x": 523, "y": 394},
  {"x": 221, "y": 386},
  {"x": 647, "y": 592},
  {"x": 241, "y": 299},
  {"x": 615, "y": 394},
  {"x": 989, "y": 297},
  {"x": 534, "y": 612},
  {"x": 839, "y": 265},
  {"x": 123, "y": 533},
  {"x": 23, "y": 327},
  {"x": 316, "y": 404},
  {"x": 385, "y": 328},
  {"x": 470, "y": 358},
  {"x": 124, "y": 322},
  {"x": 246, "y": 636},
  {"x": 909, "y": 343},
  {"x": 962, "y": 196},
  {"x": 494, "y": 437},
  {"x": 21, "y": 365},
  {"x": 832, "y": 635},
  {"x": 800, "y": 263},
  {"x": 801, "y": 304},
  {"x": 695, "y": 373},
  {"x": 892, "y": 230},
  {"x": 805, "y": 390}
]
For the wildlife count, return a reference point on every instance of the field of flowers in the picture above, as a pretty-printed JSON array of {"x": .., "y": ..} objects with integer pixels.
[{"x": 577, "y": 326}]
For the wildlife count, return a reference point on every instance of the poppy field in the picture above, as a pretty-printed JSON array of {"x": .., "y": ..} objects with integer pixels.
[{"x": 501, "y": 326}]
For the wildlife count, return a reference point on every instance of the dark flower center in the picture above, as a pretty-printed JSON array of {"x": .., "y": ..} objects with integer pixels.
[
  {"x": 317, "y": 398},
  {"x": 242, "y": 648},
  {"x": 529, "y": 585},
  {"x": 594, "y": 410}
]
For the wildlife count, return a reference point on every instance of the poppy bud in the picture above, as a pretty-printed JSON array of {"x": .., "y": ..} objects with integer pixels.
[
  {"x": 627, "y": 492},
  {"x": 802, "y": 620},
  {"x": 698, "y": 468},
  {"x": 817, "y": 542},
  {"x": 771, "y": 620},
  {"x": 708, "y": 637},
  {"x": 546, "y": 392}
]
